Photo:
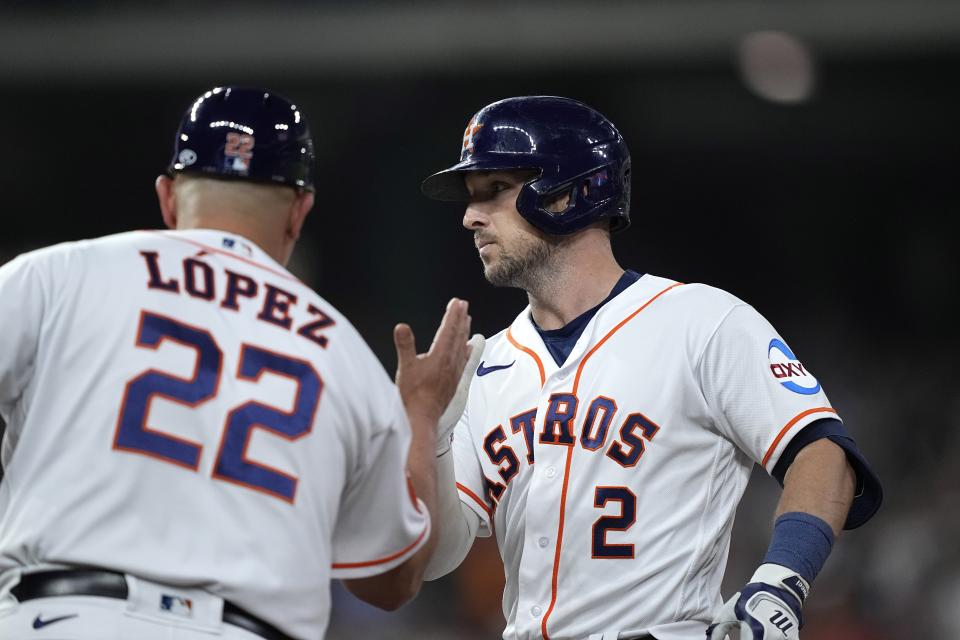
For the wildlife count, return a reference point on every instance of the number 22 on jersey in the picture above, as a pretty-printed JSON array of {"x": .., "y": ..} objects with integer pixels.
[{"x": 231, "y": 465}]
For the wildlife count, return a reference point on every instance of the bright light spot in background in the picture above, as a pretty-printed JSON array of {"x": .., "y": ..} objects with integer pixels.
[{"x": 777, "y": 66}]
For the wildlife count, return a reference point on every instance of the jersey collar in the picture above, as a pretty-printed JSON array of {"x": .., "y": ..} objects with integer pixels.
[
  {"x": 233, "y": 244},
  {"x": 523, "y": 334}
]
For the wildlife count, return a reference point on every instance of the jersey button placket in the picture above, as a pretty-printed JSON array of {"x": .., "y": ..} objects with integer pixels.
[{"x": 536, "y": 563}]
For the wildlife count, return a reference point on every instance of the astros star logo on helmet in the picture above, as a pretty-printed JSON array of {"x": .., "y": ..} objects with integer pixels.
[{"x": 471, "y": 130}]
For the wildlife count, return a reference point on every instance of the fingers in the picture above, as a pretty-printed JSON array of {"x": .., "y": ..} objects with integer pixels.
[
  {"x": 454, "y": 328},
  {"x": 460, "y": 341},
  {"x": 721, "y": 630},
  {"x": 463, "y": 353},
  {"x": 405, "y": 343}
]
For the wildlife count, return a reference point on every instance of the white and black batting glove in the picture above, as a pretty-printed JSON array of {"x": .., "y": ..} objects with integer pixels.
[
  {"x": 768, "y": 608},
  {"x": 451, "y": 415}
]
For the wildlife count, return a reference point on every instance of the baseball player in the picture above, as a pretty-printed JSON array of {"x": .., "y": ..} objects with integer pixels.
[
  {"x": 610, "y": 430},
  {"x": 197, "y": 442}
]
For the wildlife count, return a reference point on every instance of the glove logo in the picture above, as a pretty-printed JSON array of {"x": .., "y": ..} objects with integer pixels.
[
  {"x": 798, "y": 586},
  {"x": 789, "y": 371},
  {"x": 781, "y": 621}
]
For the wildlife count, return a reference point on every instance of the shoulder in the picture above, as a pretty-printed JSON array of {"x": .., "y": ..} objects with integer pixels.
[
  {"x": 703, "y": 296},
  {"x": 694, "y": 313},
  {"x": 719, "y": 308},
  {"x": 72, "y": 251},
  {"x": 50, "y": 259},
  {"x": 684, "y": 304}
]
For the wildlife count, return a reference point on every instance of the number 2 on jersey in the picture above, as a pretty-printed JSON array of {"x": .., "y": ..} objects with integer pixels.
[
  {"x": 231, "y": 464},
  {"x": 622, "y": 522}
]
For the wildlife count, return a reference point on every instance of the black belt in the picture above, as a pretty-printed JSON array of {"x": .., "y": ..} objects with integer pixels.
[{"x": 108, "y": 584}]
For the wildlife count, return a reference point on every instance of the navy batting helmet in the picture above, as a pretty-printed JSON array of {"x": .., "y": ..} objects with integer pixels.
[
  {"x": 575, "y": 149},
  {"x": 245, "y": 134}
]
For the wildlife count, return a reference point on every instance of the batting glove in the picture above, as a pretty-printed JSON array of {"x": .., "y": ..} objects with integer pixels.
[
  {"x": 768, "y": 608},
  {"x": 451, "y": 415}
]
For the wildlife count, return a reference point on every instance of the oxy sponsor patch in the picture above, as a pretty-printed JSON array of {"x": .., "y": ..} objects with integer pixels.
[{"x": 789, "y": 371}]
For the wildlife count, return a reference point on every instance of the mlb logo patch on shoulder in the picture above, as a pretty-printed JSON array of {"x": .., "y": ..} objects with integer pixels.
[{"x": 789, "y": 371}]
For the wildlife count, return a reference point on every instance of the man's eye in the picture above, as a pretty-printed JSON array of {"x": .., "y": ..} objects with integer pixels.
[{"x": 498, "y": 186}]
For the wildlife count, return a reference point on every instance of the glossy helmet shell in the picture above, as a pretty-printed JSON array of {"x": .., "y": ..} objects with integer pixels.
[
  {"x": 245, "y": 134},
  {"x": 574, "y": 148}
]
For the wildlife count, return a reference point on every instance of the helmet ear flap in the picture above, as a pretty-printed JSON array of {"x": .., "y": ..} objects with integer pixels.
[
  {"x": 559, "y": 201},
  {"x": 574, "y": 203},
  {"x": 625, "y": 175},
  {"x": 576, "y": 191}
]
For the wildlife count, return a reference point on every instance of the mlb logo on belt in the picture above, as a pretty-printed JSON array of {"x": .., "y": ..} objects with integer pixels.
[{"x": 176, "y": 605}]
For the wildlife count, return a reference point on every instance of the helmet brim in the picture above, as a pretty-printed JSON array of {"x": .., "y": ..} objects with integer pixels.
[{"x": 448, "y": 185}]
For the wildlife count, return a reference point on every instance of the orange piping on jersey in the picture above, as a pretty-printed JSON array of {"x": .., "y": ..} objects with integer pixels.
[
  {"x": 530, "y": 352},
  {"x": 230, "y": 255},
  {"x": 566, "y": 471},
  {"x": 476, "y": 498},
  {"x": 394, "y": 556},
  {"x": 787, "y": 427},
  {"x": 576, "y": 380}
]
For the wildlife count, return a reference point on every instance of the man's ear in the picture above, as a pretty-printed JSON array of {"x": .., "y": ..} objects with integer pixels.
[
  {"x": 298, "y": 213},
  {"x": 168, "y": 200}
]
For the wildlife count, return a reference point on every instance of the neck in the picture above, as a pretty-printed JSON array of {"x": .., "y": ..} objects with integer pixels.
[
  {"x": 268, "y": 240},
  {"x": 580, "y": 282}
]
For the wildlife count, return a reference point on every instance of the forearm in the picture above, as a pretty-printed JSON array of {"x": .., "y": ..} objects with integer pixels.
[
  {"x": 398, "y": 586},
  {"x": 421, "y": 471},
  {"x": 818, "y": 490},
  {"x": 427, "y": 384},
  {"x": 421, "y": 467},
  {"x": 817, "y": 494},
  {"x": 820, "y": 482},
  {"x": 457, "y": 525}
]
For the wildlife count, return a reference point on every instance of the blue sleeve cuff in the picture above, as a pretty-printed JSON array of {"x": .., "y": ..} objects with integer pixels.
[{"x": 868, "y": 495}]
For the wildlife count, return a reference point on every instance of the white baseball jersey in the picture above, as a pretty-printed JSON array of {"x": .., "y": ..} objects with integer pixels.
[
  {"x": 181, "y": 408},
  {"x": 611, "y": 481}
]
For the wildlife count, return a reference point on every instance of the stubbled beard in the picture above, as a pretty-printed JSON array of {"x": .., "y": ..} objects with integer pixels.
[{"x": 528, "y": 265}]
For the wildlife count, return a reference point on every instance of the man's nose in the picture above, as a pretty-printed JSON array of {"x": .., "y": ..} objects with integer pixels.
[{"x": 475, "y": 217}]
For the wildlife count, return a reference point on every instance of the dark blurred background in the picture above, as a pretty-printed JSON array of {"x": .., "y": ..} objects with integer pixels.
[{"x": 801, "y": 155}]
